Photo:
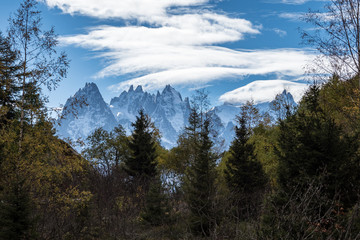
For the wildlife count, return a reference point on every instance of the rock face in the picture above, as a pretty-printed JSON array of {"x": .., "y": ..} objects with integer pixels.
[
  {"x": 168, "y": 110},
  {"x": 81, "y": 119}
]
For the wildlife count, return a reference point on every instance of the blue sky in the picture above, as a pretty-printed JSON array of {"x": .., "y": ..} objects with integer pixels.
[{"x": 228, "y": 46}]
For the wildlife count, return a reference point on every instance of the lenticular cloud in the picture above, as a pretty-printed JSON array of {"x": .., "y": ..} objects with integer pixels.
[
  {"x": 124, "y": 9},
  {"x": 173, "y": 41}
]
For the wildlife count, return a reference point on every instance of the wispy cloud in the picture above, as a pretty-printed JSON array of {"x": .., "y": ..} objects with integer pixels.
[
  {"x": 280, "y": 32},
  {"x": 264, "y": 91},
  {"x": 174, "y": 42},
  {"x": 299, "y": 16},
  {"x": 296, "y": 2},
  {"x": 213, "y": 63},
  {"x": 124, "y": 9},
  {"x": 293, "y": 16}
]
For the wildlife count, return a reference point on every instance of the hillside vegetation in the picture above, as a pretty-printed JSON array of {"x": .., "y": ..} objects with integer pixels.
[{"x": 295, "y": 178}]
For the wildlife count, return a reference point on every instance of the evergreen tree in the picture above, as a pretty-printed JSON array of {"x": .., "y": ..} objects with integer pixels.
[
  {"x": 142, "y": 163},
  {"x": 312, "y": 147},
  {"x": 156, "y": 211},
  {"x": 199, "y": 185},
  {"x": 244, "y": 174},
  {"x": 8, "y": 86},
  {"x": 317, "y": 175},
  {"x": 15, "y": 211}
]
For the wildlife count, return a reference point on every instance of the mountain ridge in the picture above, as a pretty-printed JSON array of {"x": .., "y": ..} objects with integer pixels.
[{"x": 167, "y": 109}]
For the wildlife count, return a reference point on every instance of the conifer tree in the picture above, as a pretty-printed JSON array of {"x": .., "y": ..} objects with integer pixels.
[
  {"x": 156, "y": 211},
  {"x": 244, "y": 174},
  {"x": 317, "y": 175},
  {"x": 311, "y": 145},
  {"x": 142, "y": 161},
  {"x": 199, "y": 185},
  {"x": 8, "y": 86},
  {"x": 15, "y": 212}
]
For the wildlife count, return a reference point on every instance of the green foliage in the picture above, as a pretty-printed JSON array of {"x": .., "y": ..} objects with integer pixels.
[
  {"x": 264, "y": 139},
  {"x": 142, "y": 161},
  {"x": 15, "y": 212},
  {"x": 156, "y": 210},
  {"x": 341, "y": 100},
  {"x": 199, "y": 185},
  {"x": 243, "y": 172},
  {"x": 317, "y": 176},
  {"x": 311, "y": 145},
  {"x": 108, "y": 149},
  {"x": 244, "y": 175},
  {"x": 8, "y": 84}
]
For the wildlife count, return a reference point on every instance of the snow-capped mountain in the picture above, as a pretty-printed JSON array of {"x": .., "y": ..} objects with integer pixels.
[
  {"x": 224, "y": 116},
  {"x": 168, "y": 110},
  {"x": 84, "y": 112}
]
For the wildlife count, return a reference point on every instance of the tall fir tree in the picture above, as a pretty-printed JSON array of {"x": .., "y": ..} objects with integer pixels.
[
  {"x": 15, "y": 212},
  {"x": 317, "y": 175},
  {"x": 156, "y": 211},
  {"x": 8, "y": 84},
  {"x": 312, "y": 147},
  {"x": 199, "y": 184},
  {"x": 142, "y": 161},
  {"x": 244, "y": 175}
]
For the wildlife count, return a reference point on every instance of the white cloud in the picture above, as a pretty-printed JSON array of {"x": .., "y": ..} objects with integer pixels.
[
  {"x": 299, "y": 16},
  {"x": 297, "y": 2},
  {"x": 280, "y": 32},
  {"x": 125, "y": 9},
  {"x": 264, "y": 91},
  {"x": 182, "y": 55},
  {"x": 203, "y": 65},
  {"x": 293, "y": 16},
  {"x": 174, "y": 46}
]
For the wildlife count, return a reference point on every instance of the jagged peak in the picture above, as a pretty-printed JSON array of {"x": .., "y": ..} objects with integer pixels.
[
  {"x": 168, "y": 88},
  {"x": 187, "y": 100},
  {"x": 131, "y": 89},
  {"x": 90, "y": 85},
  {"x": 139, "y": 89},
  {"x": 288, "y": 95}
]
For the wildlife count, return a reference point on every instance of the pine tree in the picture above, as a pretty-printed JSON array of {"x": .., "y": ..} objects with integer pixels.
[
  {"x": 156, "y": 211},
  {"x": 317, "y": 175},
  {"x": 15, "y": 212},
  {"x": 8, "y": 86},
  {"x": 142, "y": 161},
  {"x": 244, "y": 174},
  {"x": 312, "y": 147},
  {"x": 199, "y": 185}
]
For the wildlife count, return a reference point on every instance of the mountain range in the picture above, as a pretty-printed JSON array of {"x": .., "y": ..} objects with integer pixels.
[{"x": 167, "y": 109}]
